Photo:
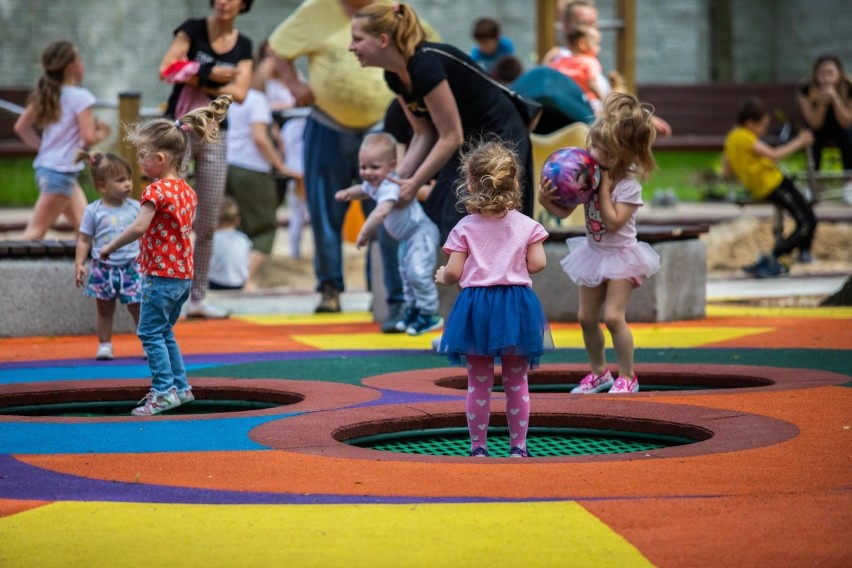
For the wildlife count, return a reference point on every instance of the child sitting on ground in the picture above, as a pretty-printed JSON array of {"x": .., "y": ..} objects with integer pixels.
[
  {"x": 417, "y": 235},
  {"x": 229, "y": 265},
  {"x": 119, "y": 277},
  {"x": 754, "y": 163}
]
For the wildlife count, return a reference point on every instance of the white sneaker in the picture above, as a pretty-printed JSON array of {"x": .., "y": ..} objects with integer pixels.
[
  {"x": 185, "y": 396},
  {"x": 104, "y": 351},
  {"x": 155, "y": 403},
  {"x": 204, "y": 310}
]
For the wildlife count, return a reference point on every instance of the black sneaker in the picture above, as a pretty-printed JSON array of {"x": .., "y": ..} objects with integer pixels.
[
  {"x": 761, "y": 264},
  {"x": 479, "y": 452},
  {"x": 519, "y": 453},
  {"x": 395, "y": 316},
  {"x": 772, "y": 269}
]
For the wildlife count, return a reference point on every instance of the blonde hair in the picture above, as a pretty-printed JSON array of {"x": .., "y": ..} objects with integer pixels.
[
  {"x": 398, "y": 21},
  {"x": 55, "y": 58},
  {"x": 625, "y": 129},
  {"x": 172, "y": 137},
  {"x": 384, "y": 142},
  {"x": 104, "y": 167},
  {"x": 490, "y": 173}
]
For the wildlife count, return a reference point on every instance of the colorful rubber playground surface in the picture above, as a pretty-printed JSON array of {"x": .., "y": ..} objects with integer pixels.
[{"x": 318, "y": 441}]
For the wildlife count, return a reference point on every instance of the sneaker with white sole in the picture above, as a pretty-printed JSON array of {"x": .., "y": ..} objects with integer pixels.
[
  {"x": 104, "y": 352},
  {"x": 425, "y": 323},
  {"x": 592, "y": 384},
  {"x": 519, "y": 453},
  {"x": 203, "y": 310},
  {"x": 155, "y": 403},
  {"x": 623, "y": 385},
  {"x": 408, "y": 318},
  {"x": 185, "y": 396}
]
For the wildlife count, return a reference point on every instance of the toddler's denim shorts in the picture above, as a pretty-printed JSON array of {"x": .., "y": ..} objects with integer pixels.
[{"x": 53, "y": 182}]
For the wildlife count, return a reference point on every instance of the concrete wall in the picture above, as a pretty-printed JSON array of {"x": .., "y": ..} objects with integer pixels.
[{"x": 123, "y": 40}]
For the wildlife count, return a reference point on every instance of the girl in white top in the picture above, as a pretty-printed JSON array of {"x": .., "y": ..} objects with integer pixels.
[
  {"x": 58, "y": 121},
  {"x": 609, "y": 262}
]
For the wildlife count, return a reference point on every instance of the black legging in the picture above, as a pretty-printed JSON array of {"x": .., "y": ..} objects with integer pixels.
[{"x": 791, "y": 200}]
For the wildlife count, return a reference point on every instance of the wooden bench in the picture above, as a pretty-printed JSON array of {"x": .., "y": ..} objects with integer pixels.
[
  {"x": 701, "y": 115},
  {"x": 10, "y": 144}
]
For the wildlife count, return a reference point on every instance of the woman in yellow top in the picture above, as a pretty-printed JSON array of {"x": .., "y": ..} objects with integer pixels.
[{"x": 755, "y": 164}]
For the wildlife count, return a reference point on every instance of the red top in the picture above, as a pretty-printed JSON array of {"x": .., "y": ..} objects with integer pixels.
[{"x": 166, "y": 248}]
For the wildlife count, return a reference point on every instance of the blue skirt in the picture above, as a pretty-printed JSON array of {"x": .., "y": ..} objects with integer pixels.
[{"x": 495, "y": 321}]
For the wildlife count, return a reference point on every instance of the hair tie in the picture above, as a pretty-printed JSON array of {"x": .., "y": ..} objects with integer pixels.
[
  {"x": 177, "y": 124},
  {"x": 92, "y": 160},
  {"x": 185, "y": 127}
]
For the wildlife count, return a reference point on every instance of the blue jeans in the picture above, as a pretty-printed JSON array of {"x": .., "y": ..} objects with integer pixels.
[
  {"x": 331, "y": 164},
  {"x": 162, "y": 299}
]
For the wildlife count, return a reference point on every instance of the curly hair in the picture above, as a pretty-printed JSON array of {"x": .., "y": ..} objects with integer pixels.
[
  {"x": 172, "y": 137},
  {"x": 625, "y": 129},
  {"x": 490, "y": 172}
]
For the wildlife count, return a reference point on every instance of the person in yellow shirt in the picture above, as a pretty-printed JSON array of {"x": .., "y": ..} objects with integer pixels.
[{"x": 755, "y": 164}]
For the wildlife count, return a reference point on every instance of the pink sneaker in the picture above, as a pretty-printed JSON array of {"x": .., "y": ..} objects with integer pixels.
[
  {"x": 591, "y": 384},
  {"x": 155, "y": 403},
  {"x": 622, "y": 385}
]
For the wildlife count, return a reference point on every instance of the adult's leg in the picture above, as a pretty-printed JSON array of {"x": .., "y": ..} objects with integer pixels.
[
  {"x": 211, "y": 172},
  {"x": 329, "y": 160},
  {"x": 516, "y": 387},
  {"x": 617, "y": 297},
  {"x": 788, "y": 197},
  {"x": 589, "y": 317},
  {"x": 480, "y": 380}
]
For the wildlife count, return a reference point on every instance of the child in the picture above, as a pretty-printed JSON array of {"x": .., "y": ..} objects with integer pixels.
[
  {"x": 754, "y": 163},
  {"x": 490, "y": 45},
  {"x": 118, "y": 278},
  {"x": 583, "y": 65},
  {"x": 497, "y": 314},
  {"x": 165, "y": 223},
  {"x": 608, "y": 263},
  {"x": 57, "y": 122},
  {"x": 229, "y": 265},
  {"x": 417, "y": 235}
]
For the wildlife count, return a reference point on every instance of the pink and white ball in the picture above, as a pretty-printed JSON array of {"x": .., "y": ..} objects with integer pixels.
[{"x": 574, "y": 173}]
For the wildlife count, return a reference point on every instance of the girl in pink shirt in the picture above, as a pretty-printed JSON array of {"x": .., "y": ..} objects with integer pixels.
[
  {"x": 609, "y": 262},
  {"x": 163, "y": 227},
  {"x": 492, "y": 252}
]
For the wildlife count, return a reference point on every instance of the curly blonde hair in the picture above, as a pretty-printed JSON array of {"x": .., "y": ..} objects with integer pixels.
[
  {"x": 625, "y": 129},
  {"x": 490, "y": 179},
  {"x": 172, "y": 137}
]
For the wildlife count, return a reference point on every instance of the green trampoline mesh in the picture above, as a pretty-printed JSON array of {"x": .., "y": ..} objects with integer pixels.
[{"x": 541, "y": 442}]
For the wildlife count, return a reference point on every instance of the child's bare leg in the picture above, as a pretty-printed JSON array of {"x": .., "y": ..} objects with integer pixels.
[
  {"x": 134, "y": 312},
  {"x": 76, "y": 207},
  {"x": 617, "y": 298},
  {"x": 47, "y": 209},
  {"x": 103, "y": 325},
  {"x": 591, "y": 300}
]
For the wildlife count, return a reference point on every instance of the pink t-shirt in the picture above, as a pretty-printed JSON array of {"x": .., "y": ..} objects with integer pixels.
[
  {"x": 166, "y": 248},
  {"x": 496, "y": 248},
  {"x": 626, "y": 191}
]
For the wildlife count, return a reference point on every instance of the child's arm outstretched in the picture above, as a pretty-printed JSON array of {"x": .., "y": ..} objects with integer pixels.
[
  {"x": 804, "y": 139},
  {"x": 84, "y": 246},
  {"x": 451, "y": 273},
  {"x": 370, "y": 228},
  {"x": 132, "y": 232}
]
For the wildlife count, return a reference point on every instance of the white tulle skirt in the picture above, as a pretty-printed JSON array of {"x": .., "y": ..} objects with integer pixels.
[{"x": 589, "y": 265}]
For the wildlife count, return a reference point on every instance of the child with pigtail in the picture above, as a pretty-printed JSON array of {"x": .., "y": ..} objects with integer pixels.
[{"x": 164, "y": 225}]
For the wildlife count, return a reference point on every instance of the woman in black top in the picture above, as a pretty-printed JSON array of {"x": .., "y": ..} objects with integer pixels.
[
  {"x": 826, "y": 103},
  {"x": 224, "y": 58},
  {"x": 446, "y": 102}
]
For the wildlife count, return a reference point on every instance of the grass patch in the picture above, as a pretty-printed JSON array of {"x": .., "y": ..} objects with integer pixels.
[{"x": 19, "y": 186}]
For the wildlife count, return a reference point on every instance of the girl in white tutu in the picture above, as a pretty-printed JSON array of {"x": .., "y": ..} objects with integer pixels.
[
  {"x": 608, "y": 263},
  {"x": 493, "y": 251}
]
